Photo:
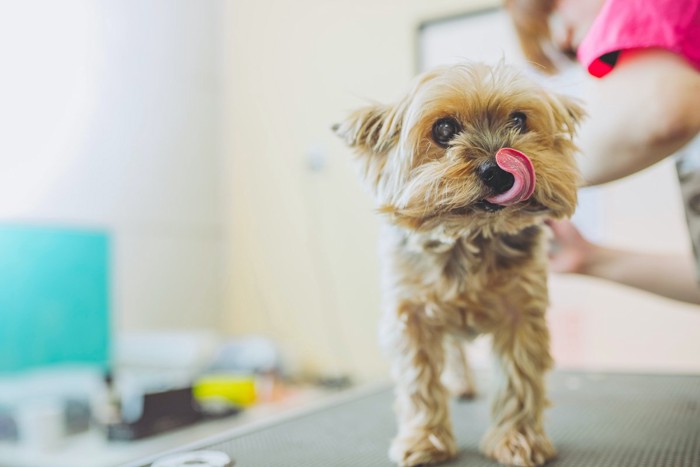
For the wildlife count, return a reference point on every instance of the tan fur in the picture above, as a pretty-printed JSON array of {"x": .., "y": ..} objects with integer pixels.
[{"x": 453, "y": 271}]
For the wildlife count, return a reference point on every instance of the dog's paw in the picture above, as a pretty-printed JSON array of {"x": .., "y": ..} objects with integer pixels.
[
  {"x": 423, "y": 447},
  {"x": 524, "y": 448}
]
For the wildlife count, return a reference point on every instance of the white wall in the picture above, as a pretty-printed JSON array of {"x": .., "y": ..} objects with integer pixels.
[
  {"x": 111, "y": 117},
  {"x": 187, "y": 129}
]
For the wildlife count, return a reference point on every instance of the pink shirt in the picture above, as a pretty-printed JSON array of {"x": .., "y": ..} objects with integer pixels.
[{"x": 639, "y": 24}]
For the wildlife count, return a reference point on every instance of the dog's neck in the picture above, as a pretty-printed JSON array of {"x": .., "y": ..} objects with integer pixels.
[
  {"x": 474, "y": 249},
  {"x": 439, "y": 241}
]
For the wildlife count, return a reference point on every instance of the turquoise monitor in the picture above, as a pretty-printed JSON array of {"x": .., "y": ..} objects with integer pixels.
[{"x": 54, "y": 297}]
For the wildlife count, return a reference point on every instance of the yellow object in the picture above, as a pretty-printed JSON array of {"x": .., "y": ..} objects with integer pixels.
[{"x": 237, "y": 390}]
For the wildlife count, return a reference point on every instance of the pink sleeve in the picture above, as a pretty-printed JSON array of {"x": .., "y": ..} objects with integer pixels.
[{"x": 639, "y": 24}]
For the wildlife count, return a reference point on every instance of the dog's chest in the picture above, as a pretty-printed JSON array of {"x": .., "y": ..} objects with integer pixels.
[
  {"x": 463, "y": 271},
  {"x": 465, "y": 275}
]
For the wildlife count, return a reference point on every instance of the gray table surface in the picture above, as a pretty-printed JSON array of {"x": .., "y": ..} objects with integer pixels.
[{"x": 601, "y": 420}]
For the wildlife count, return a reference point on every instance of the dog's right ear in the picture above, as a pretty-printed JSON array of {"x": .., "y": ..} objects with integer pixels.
[{"x": 371, "y": 130}]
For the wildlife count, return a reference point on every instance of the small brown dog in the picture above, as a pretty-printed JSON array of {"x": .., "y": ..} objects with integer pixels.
[{"x": 465, "y": 170}]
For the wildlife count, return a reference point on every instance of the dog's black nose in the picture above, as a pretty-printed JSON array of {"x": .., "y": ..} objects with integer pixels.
[{"x": 495, "y": 177}]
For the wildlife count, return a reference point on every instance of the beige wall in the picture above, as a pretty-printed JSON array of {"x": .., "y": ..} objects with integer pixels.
[
  {"x": 303, "y": 243},
  {"x": 303, "y": 255}
]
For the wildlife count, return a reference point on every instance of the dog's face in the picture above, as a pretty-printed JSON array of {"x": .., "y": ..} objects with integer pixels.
[{"x": 431, "y": 159}]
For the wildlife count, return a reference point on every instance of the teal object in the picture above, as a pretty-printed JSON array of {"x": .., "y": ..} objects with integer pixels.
[{"x": 54, "y": 297}]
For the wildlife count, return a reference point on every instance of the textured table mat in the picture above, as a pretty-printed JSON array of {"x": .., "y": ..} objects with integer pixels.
[{"x": 600, "y": 420}]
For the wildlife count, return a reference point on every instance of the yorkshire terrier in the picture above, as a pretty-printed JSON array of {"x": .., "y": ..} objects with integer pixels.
[{"x": 466, "y": 169}]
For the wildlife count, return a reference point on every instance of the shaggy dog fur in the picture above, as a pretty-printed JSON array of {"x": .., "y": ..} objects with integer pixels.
[{"x": 455, "y": 268}]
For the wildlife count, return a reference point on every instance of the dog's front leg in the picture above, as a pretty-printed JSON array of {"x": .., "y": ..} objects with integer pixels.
[
  {"x": 425, "y": 431},
  {"x": 517, "y": 436}
]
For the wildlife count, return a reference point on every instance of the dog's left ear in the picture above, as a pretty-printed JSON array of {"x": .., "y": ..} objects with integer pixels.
[
  {"x": 568, "y": 112},
  {"x": 372, "y": 130}
]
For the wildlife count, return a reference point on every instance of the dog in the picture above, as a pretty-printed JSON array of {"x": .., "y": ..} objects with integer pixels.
[{"x": 465, "y": 170}]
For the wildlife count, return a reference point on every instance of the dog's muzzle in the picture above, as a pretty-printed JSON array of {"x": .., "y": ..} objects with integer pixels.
[
  {"x": 511, "y": 177},
  {"x": 496, "y": 180}
]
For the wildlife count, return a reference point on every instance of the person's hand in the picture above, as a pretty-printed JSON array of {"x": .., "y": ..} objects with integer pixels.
[{"x": 569, "y": 251}]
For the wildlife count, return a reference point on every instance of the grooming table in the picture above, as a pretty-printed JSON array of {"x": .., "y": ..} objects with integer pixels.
[{"x": 597, "y": 420}]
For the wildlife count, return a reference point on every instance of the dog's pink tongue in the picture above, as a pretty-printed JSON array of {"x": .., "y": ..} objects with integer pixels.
[{"x": 519, "y": 165}]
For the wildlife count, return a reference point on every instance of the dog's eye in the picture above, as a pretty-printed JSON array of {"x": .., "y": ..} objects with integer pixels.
[
  {"x": 519, "y": 121},
  {"x": 444, "y": 130}
]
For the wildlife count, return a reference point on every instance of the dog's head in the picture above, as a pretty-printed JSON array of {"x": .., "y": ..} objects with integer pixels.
[{"x": 470, "y": 147}]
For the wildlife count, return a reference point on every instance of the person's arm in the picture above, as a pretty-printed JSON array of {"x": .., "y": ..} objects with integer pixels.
[
  {"x": 671, "y": 276},
  {"x": 647, "y": 108}
]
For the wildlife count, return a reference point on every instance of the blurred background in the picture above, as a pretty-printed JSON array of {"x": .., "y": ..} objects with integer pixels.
[{"x": 182, "y": 236}]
